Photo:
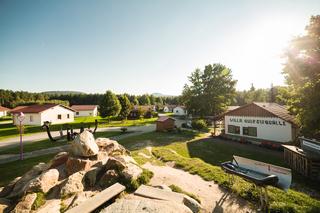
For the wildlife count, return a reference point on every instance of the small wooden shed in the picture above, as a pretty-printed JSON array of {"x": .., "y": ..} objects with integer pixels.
[
  {"x": 301, "y": 163},
  {"x": 165, "y": 123}
]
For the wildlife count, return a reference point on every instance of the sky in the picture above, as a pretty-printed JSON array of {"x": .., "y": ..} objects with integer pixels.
[{"x": 144, "y": 46}]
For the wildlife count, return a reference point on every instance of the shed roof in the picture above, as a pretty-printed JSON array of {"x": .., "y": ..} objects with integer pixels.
[
  {"x": 164, "y": 118},
  {"x": 36, "y": 108},
  {"x": 83, "y": 107}
]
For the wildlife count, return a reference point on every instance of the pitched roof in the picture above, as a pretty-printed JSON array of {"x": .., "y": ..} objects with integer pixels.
[
  {"x": 3, "y": 109},
  {"x": 277, "y": 110},
  {"x": 36, "y": 108},
  {"x": 83, "y": 107},
  {"x": 164, "y": 118},
  {"x": 265, "y": 110}
]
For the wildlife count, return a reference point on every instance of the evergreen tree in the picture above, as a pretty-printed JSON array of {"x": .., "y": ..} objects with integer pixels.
[{"x": 125, "y": 107}]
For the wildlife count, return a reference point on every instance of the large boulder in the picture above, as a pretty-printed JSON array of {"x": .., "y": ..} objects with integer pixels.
[
  {"x": 25, "y": 205},
  {"x": 59, "y": 159},
  {"x": 92, "y": 175},
  {"x": 51, "y": 206},
  {"x": 109, "y": 178},
  {"x": 110, "y": 146},
  {"x": 115, "y": 163},
  {"x": 8, "y": 188},
  {"x": 84, "y": 145},
  {"x": 73, "y": 184},
  {"x": 45, "y": 181},
  {"x": 22, "y": 184},
  {"x": 74, "y": 165},
  {"x": 4, "y": 205}
]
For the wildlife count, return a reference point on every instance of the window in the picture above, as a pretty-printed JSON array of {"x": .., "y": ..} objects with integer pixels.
[
  {"x": 233, "y": 129},
  {"x": 77, "y": 113},
  {"x": 59, "y": 117},
  {"x": 68, "y": 116},
  {"x": 31, "y": 118},
  {"x": 250, "y": 131}
]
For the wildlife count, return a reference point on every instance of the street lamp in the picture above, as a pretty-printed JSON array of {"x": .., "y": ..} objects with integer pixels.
[{"x": 21, "y": 117}]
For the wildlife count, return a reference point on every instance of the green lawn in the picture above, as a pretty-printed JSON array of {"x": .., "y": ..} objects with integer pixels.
[
  {"x": 203, "y": 156},
  {"x": 10, "y": 130},
  {"x": 44, "y": 144},
  {"x": 14, "y": 169}
]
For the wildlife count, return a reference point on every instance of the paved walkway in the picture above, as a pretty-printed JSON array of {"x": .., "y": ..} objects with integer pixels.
[{"x": 13, "y": 157}]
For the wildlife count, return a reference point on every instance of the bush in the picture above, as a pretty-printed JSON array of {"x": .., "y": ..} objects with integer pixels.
[
  {"x": 199, "y": 124},
  {"x": 124, "y": 129}
]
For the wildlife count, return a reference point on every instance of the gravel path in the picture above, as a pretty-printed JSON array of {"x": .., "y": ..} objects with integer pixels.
[{"x": 213, "y": 198}]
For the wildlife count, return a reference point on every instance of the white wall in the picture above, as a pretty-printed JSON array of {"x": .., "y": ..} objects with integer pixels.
[
  {"x": 29, "y": 119},
  {"x": 3, "y": 113},
  {"x": 268, "y": 128},
  {"x": 85, "y": 113},
  {"x": 165, "y": 109},
  {"x": 179, "y": 111},
  {"x": 51, "y": 115}
]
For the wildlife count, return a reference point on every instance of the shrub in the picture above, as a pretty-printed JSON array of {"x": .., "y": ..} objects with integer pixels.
[
  {"x": 199, "y": 124},
  {"x": 124, "y": 129}
]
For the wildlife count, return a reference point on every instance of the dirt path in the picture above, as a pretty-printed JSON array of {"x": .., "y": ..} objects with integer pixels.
[{"x": 213, "y": 198}]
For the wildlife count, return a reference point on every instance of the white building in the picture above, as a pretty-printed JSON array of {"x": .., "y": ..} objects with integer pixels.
[
  {"x": 38, "y": 114},
  {"x": 4, "y": 111},
  {"x": 168, "y": 108},
  {"x": 180, "y": 111},
  {"x": 260, "y": 122},
  {"x": 85, "y": 110}
]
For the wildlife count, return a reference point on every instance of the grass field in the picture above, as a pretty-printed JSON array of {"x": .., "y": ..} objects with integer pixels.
[
  {"x": 203, "y": 156},
  {"x": 14, "y": 169},
  {"x": 10, "y": 130}
]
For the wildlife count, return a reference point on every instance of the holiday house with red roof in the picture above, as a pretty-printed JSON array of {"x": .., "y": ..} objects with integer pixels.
[
  {"x": 39, "y": 114},
  {"x": 85, "y": 110}
]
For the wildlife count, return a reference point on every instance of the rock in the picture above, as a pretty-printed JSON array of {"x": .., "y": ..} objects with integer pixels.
[
  {"x": 59, "y": 159},
  {"x": 74, "y": 165},
  {"x": 25, "y": 205},
  {"x": 102, "y": 158},
  {"x": 132, "y": 171},
  {"x": 115, "y": 163},
  {"x": 73, "y": 184},
  {"x": 163, "y": 187},
  {"x": 52, "y": 206},
  {"x": 8, "y": 188},
  {"x": 22, "y": 184},
  {"x": 145, "y": 205},
  {"x": 109, "y": 178},
  {"x": 4, "y": 205},
  {"x": 192, "y": 204},
  {"x": 81, "y": 197},
  {"x": 44, "y": 182},
  {"x": 84, "y": 145},
  {"x": 91, "y": 176},
  {"x": 112, "y": 147}
]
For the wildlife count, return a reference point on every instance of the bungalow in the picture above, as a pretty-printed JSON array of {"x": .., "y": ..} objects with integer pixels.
[
  {"x": 168, "y": 108},
  {"x": 38, "y": 114},
  {"x": 180, "y": 111},
  {"x": 268, "y": 123},
  {"x": 4, "y": 111},
  {"x": 85, "y": 110}
]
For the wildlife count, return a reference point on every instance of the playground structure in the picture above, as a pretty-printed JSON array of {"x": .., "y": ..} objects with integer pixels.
[{"x": 71, "y": 134}]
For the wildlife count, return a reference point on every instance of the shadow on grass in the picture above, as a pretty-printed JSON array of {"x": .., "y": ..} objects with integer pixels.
[
  {"x": 156, "y": 139},
  {"x": 215, "y": 151}
]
